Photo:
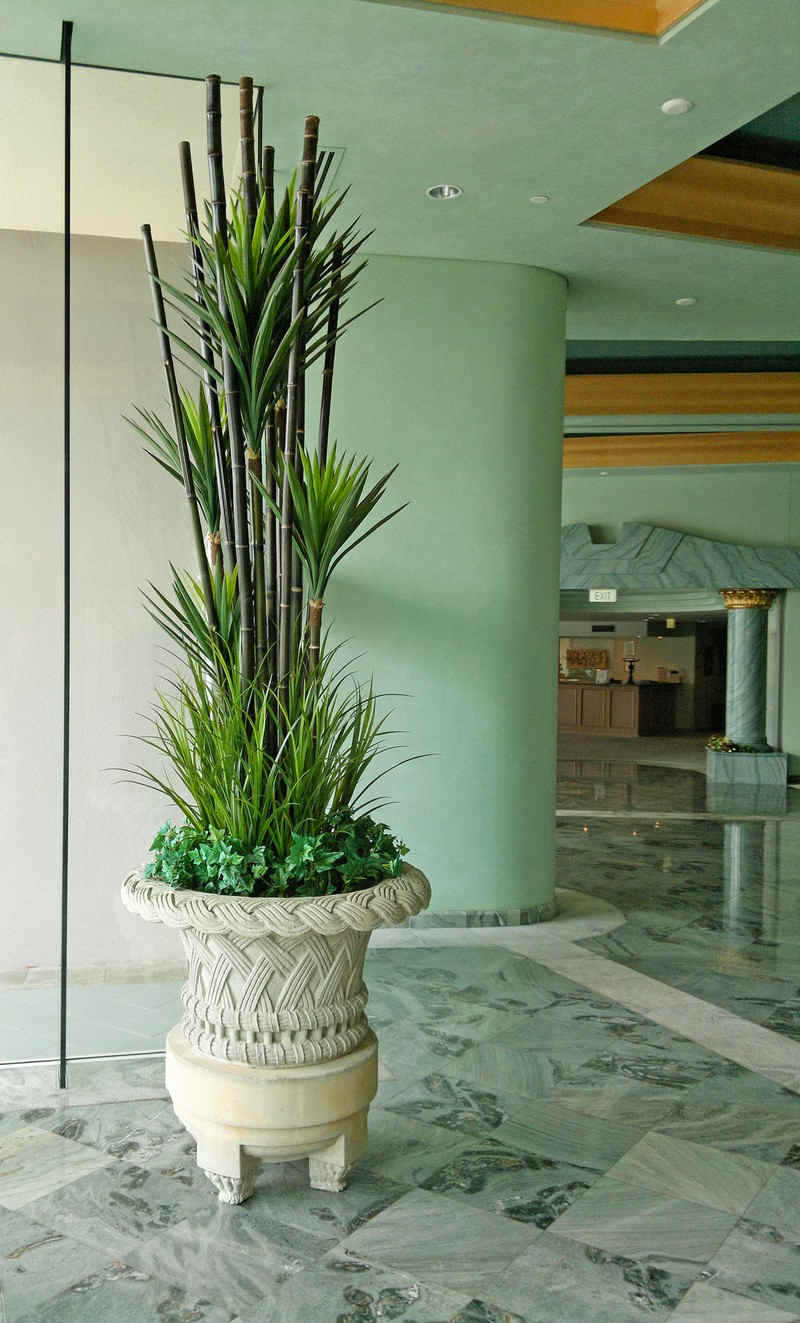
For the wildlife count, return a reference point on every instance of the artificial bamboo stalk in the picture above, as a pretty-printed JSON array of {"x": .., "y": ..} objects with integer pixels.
[
  {"x": 231, "y": 384},
  {"x": 210, "y": 385},
  {"x": 303, "y": 209},
  {"x": 180, "y": 433},
  {"x": 330, "y": 354},
  {"x": 268, "y": 184},
  {"x": 249, "y": 180},
  {"x": 296, "y": 609},
  {"x": 257, "y": 556},
  {"x": 272, "y": 442},
  {"x": 315, "y": 605}
]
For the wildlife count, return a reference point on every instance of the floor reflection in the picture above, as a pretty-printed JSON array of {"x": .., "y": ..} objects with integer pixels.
[
  {"x": 622, "y": 786},
  {"x": 711, "y": 907}
]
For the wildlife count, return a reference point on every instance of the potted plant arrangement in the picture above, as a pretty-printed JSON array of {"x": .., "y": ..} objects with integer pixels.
[
  {"x": 721, "y": 744},
  {"x": 264, "y": 742}
]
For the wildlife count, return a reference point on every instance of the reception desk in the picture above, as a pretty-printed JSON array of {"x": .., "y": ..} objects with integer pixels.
[{"x": 616, "y": 709}]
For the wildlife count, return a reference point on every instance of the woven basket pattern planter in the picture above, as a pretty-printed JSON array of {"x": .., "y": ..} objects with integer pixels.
[{"x": 275, "y": 982}]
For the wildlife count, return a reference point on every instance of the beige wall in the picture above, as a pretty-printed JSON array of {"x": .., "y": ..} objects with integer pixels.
[{"x": 127, "y": 523}]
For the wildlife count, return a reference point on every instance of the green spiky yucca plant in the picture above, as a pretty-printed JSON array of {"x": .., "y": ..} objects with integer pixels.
[{"x": 266, "y": 736}]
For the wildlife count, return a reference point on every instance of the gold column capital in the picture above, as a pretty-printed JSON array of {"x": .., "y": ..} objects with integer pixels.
[{"x": 737, "y": 599}]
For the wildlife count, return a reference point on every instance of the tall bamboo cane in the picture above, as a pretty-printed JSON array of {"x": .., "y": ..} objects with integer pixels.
[
  {"x": 268, "y": 183},
  {"x": 304, "y": 205},
  {"x": 235, "y": 437},
  {"x": 250, "y": 195},
  {"x": 272, "y": 441},
  {"x": 249, "y": 180},
  {"x": 296, "y": 607},
  {"x": 210, "y": 385},
  {"x": 180, "y": 433},
  {"x": 330, "y": 354}
]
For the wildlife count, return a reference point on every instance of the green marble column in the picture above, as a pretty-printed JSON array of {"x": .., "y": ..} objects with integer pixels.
[{"x": 746, "y": 691}]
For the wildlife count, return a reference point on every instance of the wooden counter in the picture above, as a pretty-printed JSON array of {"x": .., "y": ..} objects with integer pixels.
[{"x": 616, "y": 709}]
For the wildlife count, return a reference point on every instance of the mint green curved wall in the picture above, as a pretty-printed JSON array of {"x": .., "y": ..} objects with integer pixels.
[{"x": 458, "y": 377}]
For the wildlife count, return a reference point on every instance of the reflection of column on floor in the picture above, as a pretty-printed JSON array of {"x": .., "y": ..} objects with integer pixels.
[
  {"x": 746, "y": 680},
  {"x": 770, "y": 896},
  {"x": 743, "y": 868}
]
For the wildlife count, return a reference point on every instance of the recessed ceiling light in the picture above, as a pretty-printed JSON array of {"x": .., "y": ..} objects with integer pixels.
[
  {"x": 604, "y": 473},
  {"x": 685, "y": 303},
  {"x": 676, "y": 105},
  {"x": 540, "y": 199},
  {"x": 444, "y": 192}
]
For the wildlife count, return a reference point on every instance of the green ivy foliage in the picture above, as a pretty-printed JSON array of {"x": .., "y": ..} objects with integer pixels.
[{"x": 344, "y": 854}]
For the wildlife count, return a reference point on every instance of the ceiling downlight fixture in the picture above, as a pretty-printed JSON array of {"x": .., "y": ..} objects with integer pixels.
[
  {"x": 540, "y": 199},
  {"x": 444, "y": 192},
  {"x": 676, "y": 105},
  {"x": 685, "y": 302}
]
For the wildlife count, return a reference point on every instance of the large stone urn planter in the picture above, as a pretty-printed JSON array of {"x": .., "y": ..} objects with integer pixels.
[{"x": 274, "y": 1058}]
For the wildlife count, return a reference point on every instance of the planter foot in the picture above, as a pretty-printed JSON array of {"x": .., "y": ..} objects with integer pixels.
[
  {"x": 327, "y": 1175},
  {"x": 230, "y": 1170},
  {"x": 232, "y": 1189},
  {"x": 330, "y": 1169}
]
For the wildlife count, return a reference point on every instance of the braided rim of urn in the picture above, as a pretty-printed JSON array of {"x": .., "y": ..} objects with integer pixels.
[{"x": 389, "y": 902}]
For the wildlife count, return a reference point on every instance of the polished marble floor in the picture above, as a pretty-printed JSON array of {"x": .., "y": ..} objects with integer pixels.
[{"x": 591, "y": 1121}]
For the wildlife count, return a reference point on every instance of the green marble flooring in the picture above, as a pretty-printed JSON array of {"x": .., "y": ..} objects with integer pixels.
[
  {"x": 538, "y": 1154},
  {"x": 592, "y": 1121}
]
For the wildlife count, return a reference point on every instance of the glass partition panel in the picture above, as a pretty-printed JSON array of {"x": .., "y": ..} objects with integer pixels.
[
  {"x": 129, "y": 522},
  {"x": 31, "y": 562}
]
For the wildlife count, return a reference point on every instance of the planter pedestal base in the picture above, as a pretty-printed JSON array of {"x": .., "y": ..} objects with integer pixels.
[{"x": 241, "y": 1115}]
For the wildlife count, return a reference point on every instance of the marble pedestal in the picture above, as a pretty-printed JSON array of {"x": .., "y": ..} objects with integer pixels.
[
  {"x": 241, "y": 1115},
  {"x": 752, "y": 769}
]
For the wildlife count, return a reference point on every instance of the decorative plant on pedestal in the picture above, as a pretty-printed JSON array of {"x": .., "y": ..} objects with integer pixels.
[{"x": 265, "y": 744}]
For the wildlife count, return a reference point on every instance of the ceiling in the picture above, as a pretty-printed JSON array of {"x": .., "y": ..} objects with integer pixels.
[{"x": 418, "y": 97}]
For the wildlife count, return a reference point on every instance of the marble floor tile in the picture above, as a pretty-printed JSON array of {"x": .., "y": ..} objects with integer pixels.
[
  {"x": 478, "y": 1311},
  {"x": 223, "y": 1272},
  {"x": 116, "y": 1080},
  {"x": 283, "y": 1198},
  {"x": 119, "y": 1293},
  {"x": 561, "y": 1281},
  {"x": 757, "y": 1261},
  {"x": 37, "y": 1263},
  {"x": 647, "y": 1226},
  {"x": 778, "y": 1204},
  {"x": 426, "y": 1045},
  {"x": 20, "y": 1086},
  {"x": 511, "y": 1068},
  {"x": 344, "y": 1290},
  {"x": 522, "y": 1186},
  {"x": 443, "y": 1242},
  {"x": 397, "y": 1142},
  {"x": 453, "y": 1104},
  {"x": 785, "y": 1019},
  {"x": 707, "y": 1304},
  {"x": 35, "y": 1164},
  {"x": 564, "y": 1135},
  {"x": 640, "y": 1106},
  {"x": 666, "y": 1061},
  {"x": 756, "y": 1131},
  {"x": 135, "y": 1131},
  {"x": 120, "y": 1205},
  {"x": 700, "y": 1175}
]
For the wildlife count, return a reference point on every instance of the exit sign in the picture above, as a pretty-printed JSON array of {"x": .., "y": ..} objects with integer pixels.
[{"x": 602, "y": 594}]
